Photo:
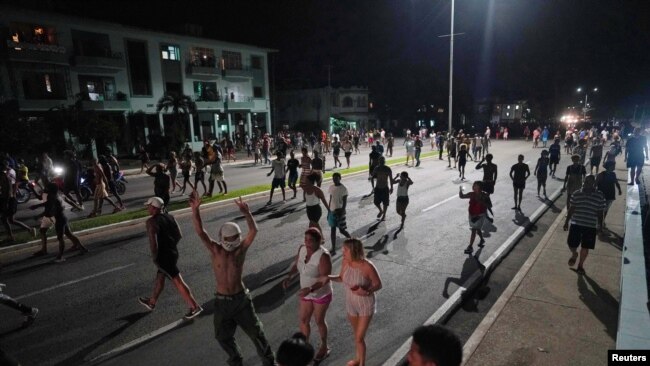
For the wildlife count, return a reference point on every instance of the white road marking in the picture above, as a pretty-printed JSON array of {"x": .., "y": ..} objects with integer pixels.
[
  {"x": 73, "y": 282},
  {"x": 452, "y": 301},
  {"x": 440, "y": 203}
]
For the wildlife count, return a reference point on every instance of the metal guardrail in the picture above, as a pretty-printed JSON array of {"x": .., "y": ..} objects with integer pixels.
[{"x": 634, "y": 308}]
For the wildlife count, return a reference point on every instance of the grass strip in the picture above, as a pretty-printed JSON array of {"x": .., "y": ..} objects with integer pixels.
[{"x": 90, "y": 223}]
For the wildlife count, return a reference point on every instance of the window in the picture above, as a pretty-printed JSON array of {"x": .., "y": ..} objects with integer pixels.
[
  {"x": 97, "y": 88},
  {"x": 364, "y": 102},
  {"x": 205, "y": 91},
  {"x": 203, "y": 57},
  {"x": 173, "y": 88},
  {"x": 32, "y": 33},
  {"x": 231, "y": 60},
  {"x": 172, "y": 53},
  {"x": 91, "y": 44},
  {"x": 347, "y": 102},
  {"x": 39, "y": 85},
  {"x": 258, "y": 92},
  {"x": 256, "y": 62},
  {"x": 138, "y": 67}
]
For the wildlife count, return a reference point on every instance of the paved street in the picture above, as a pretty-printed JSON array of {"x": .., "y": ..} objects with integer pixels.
[{"x": 89, "y": 304}]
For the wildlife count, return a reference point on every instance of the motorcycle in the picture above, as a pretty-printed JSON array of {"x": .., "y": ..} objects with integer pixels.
[
  {"x": 87, "y": 184},
  {"x": 26, "y": 188},
  {"x": 120, "y": 182}
]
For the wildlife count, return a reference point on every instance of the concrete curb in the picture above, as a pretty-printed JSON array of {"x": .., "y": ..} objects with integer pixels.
[
  {"x": 481, "y": 331},
  {"x": 15, "y": 249},
  {"x": 456, "y": 299}
]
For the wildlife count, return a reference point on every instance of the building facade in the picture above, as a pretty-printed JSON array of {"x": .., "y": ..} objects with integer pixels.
[
  {"x": 325, "y": 108},
  {"x": 48, "y": 61}
]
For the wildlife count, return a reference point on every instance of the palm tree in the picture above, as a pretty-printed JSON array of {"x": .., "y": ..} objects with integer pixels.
[{"x": 180, "y": 106}]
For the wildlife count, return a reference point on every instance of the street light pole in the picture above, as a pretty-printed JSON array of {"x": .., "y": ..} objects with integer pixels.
[{"x": 451, "y": 64}]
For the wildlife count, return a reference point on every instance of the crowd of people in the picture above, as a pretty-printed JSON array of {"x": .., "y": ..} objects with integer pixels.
[{"x": 588, "y": 199}]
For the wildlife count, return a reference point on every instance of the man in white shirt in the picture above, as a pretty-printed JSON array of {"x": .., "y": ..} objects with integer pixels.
[
  {"x": 338, "y": 201},
  {"x": 279, "y": 167}
]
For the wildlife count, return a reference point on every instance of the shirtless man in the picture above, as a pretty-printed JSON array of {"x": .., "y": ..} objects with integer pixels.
[
  {"x": 233, "y": 303},
  {"x": 489, "y": 178},
  {"x": 383, "y": 175}
]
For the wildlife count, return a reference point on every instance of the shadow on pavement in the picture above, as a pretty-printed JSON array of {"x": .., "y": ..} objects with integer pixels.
[
  {"x": 611, "y": 238},
  {"x": 521, "y": 219},
  {"x": 469, "y": 267},
  {"x": 254, "y": 281},
  {"x": 271, "y": 299},
  {"x": 600, "y": 302},
  {"x": 79, "y": 357}
]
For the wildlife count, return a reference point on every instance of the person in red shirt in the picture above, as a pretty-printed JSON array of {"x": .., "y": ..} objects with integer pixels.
[{"x": 479, "y": 202}]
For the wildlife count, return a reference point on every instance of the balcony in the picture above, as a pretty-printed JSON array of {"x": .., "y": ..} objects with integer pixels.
[
  {"x": 193, "y": 70},
  {"x": 41, "y": 104},
  {"x": 31, "y": 52},
  {"x": 238, "y": 74},
  {"x": 106, "y": 105},
  {"x": 113, "y": 62},
  {"x": 241, "y": 102}
]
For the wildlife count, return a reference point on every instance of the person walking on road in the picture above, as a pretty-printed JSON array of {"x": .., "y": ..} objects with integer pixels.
[
  {"x": 410, "y": 150},
  {"x": 172, "y": 167},
  {"x": 519, "y": 173},
  {"x": 417, "y": 144},
  {"x": 100, "y": 194},
  {"x": 390, "y": 143},
  {"x": 383, "y": 175},
  {"x": 110, "y": 180},
  {"x": 199, "y": 173},
  {"x": 292, "y": 168},
  {"x": 313, "y": 263},
  {"x": 440, "y": 141},
  {"x": 337, "y": 204},
  {"x": 313, "y": 196},
  {"x": 71, "y": 180},
  {"x": 489, "y": 178},
  {"x": 233, "y": 304},
  {"x": 161, "y": 183},
  {"x": 29, "y": 312},
  {"x": 554, "y": 152},
  {"x": 347, "y": 150},
  {"x": 462, "y": 161},
  {"x": 279, "y": 178},
  {"x": 361, "y": 280},
  {"x": 336, "y": 152},
  {"x": 605, "y": 183},
  {"x": 317, "y": 167},
  {"x": 541, "y": 171},
  {"x": 186, "y": 168},
  {"x": 635, "y": 148},
  {"x": 403, "y": 183},
  {"x": 479, "y": 202},
  {"x": 164, "y": 234},
  {"x": 373, "y": 162},
  {"x": 216, "y": 174},
  {"x": 595, "y": 155},
  {"x": 451, "y": 150},
  {"x": 8, "y": 203},
  {"x": 575, "y": 174},
  {"x": 584, "y": 220},
  {"x": 53, "y": 215}
]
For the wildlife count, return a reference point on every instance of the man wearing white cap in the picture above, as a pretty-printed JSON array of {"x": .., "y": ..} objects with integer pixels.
[
  {"x": 233, "y": 304},
  {"x": 164, "y": 234}
]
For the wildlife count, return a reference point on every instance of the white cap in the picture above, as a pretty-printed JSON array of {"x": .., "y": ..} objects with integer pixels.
[
  {"x": 229, "y": 229},
  {"x": 156, "y": 202}
]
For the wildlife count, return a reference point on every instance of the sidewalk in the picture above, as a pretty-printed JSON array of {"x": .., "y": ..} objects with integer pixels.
[{"x": 550, "y": 315}]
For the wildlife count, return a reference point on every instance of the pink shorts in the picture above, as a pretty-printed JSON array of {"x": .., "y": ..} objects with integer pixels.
[{"x": 321, "y": 300}]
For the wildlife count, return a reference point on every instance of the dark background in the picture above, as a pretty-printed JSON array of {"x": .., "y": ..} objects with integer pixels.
[{"x": 539, "y": 50}]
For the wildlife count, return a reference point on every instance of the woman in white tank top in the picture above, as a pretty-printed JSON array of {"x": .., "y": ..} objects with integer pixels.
[
  {"x": 313, "y": 263},
  {"x": 313, "y": 197}
]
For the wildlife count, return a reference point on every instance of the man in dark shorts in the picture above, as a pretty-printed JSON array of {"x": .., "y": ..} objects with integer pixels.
[
  {"x": 489, "y": 178},
  {"x": 383, "y": 175},
  {"x": 279, "y": 178},
  {"x": 164, "y": 234},
  {"x": 292, "y": 167},
  {"x": 634, "y": 149},
  {"x": 595, "y": 155},
  {"x": 554, "y": 152},
  {"x": 586, "y": 218},
  {"x": 451, "y": 151},
  {"x": 373, "y": 162},
  {"x": 519, "y": 173}
]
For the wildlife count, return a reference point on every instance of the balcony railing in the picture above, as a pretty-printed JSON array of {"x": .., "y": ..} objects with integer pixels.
[
  {"x": 24, "y": 51},
  {"x": 244, "y": 73},
  {"x": 202, "y": 70},
  {"x": 114, "y": 61},
  {"x": 106, "y": 105}
]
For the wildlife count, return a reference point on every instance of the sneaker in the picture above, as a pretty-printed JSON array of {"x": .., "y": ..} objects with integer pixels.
[
  {"x": 193, "y": 313},
  {"x": 145, "y": 302},
  {"x": 469, "y": 250},
  {"x": 30, "y": 317},
  {"x": 481, "y": 244}
]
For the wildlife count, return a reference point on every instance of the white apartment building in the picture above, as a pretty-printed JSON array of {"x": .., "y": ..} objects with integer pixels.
[
  {"x": 48, "y": 60},
  {"x": 323, "y": 107}
]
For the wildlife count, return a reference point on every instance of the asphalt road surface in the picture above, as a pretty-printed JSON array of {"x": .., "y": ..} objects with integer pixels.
[{"x": 89, "y": 309}]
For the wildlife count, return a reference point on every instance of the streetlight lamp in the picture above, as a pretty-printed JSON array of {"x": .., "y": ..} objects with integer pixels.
[{"x": 585, "y": 106}]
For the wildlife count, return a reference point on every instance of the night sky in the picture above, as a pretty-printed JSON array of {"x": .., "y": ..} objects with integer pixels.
[{"x": 540, "y": 50}]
